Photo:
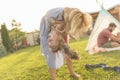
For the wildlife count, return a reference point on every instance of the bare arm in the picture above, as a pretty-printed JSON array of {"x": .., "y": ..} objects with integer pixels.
[{"x": 114, "y": 38}]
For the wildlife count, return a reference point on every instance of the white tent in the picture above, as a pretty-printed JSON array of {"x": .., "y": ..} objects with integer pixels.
[{"x": 103, "y": 20}]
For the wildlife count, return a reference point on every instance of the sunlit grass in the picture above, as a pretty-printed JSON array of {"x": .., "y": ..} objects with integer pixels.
[
  {"x": 29, "y": 64},
  {"x": 26, "y": 64}
]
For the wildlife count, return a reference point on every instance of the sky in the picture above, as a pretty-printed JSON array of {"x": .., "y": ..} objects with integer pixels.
[{"x": 30, "y": 12}]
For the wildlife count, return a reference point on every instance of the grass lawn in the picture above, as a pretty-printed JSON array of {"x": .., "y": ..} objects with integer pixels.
[{"x": 29, "y": 64}]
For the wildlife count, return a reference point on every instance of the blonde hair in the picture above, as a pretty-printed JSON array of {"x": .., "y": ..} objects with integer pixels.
[{"x": 76, "y": 21}]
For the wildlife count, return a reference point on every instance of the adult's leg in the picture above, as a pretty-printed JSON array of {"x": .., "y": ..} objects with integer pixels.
[
  {"x": 52, "y": 73},
  {"x": 115, "y": 44},
  {"x": 70, "y": 66}
]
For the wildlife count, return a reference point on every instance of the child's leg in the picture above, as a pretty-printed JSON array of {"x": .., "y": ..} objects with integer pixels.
[
  {"x": 52, "y": 73},
  {"x": 70, "y": 67}
]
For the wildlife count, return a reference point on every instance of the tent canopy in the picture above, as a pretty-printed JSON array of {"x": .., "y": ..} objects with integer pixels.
[{"x": 102, "y": 22}]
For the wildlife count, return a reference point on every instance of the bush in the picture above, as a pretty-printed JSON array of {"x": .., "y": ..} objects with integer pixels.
[{"x": 2, "y": 50}]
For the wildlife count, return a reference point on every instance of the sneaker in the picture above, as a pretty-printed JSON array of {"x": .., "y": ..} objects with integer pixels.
[
  {"x": 107, "y": 68},
  {"x": 117, "y": 69}
]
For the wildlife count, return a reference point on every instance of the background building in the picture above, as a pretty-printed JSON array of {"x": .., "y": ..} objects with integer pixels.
[{"x": 114, "y": 11}]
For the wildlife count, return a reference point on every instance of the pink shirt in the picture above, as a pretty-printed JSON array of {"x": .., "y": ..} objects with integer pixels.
[{"x": 103, "y": 37}]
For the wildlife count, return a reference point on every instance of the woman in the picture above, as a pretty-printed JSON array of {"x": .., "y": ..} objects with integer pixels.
[{"x": 76, "y": 24}]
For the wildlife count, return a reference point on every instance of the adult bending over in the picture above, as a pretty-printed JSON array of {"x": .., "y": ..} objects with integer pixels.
[{"x": 76, "y": 24}]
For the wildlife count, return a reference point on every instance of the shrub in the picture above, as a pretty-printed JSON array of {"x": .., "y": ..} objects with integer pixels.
[{"x": 2, "y": 50}]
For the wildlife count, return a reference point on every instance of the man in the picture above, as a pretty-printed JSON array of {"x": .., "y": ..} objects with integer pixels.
[{"x": 105, "y": 38}]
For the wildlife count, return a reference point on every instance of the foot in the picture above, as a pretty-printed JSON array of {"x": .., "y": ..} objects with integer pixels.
[{"x": 75, "y": 75}]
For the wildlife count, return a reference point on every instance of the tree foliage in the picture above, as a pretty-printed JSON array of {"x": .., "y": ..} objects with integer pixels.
[
  {"x": 5, "y": 37},
  {"x": 2, "y": 50},
  {"x": 16, "y": 35}
]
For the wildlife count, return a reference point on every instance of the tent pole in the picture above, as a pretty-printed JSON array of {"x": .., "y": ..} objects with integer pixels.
[{"x": 99, "y": 3}]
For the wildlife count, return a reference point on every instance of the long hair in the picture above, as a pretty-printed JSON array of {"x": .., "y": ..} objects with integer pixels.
[{"x": 76, "y": 21}]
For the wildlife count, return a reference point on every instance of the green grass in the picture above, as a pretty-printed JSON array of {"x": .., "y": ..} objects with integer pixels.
[{"x": 29, "y": 64}]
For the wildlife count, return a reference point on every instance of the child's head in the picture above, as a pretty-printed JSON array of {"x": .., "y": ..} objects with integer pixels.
[{"x": 55, "y": 37}]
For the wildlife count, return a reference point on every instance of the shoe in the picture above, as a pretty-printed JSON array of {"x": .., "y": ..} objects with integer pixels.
[
  {"x": 101, "y": 65},
  {"x": 107, "y": 68},
  {"x": 87, "y": 66},
  {"x": 117, "y": 69}
]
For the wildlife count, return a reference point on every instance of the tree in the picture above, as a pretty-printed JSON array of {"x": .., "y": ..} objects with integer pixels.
[
  {"x": 20, "y": 36},
  {"x": 2, "y": 50},
  {"x": 5, "y": 37},
  {"x": 15, "y": 26}
]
